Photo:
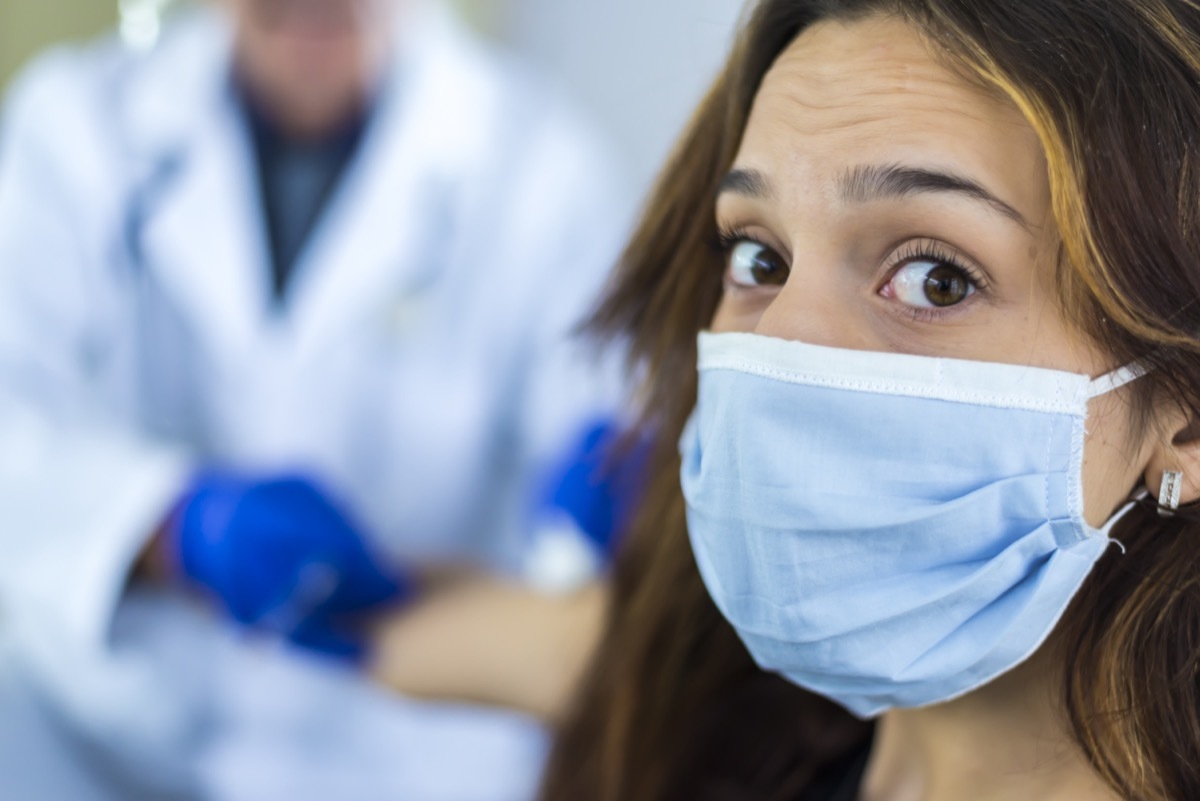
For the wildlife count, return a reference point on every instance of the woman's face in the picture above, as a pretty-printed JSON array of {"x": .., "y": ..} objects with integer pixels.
[{"x": 880, "y": 202}]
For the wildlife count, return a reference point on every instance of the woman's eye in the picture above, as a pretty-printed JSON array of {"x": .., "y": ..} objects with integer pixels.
[
  {"x": 752, "y": 264},
  {"x": 930, "y": 285}
]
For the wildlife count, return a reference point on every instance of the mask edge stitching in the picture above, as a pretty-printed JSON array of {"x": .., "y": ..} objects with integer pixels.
[{"x": 905, "y": 389}]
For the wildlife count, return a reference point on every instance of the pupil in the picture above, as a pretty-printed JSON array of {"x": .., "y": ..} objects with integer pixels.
[
  {"x": 945, "y": 286},
  {"x": 768, "y": 271}
]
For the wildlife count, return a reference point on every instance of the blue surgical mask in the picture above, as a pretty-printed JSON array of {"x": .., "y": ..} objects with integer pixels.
[{"x": 887, "y": 530}]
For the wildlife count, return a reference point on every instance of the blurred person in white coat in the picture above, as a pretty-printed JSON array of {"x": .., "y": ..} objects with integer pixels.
[{"x": 285, "y": 315}]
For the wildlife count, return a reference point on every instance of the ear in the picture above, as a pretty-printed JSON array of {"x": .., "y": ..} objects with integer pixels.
[{"x": 1178, "y": 450}]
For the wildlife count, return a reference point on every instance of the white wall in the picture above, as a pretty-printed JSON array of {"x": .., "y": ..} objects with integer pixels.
[{"x": 638, "y": 66}]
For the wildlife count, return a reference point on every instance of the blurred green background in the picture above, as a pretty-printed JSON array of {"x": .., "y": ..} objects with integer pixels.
[
  {"x": 27, "y": 26},
  {"x": 635, "y": 67}
]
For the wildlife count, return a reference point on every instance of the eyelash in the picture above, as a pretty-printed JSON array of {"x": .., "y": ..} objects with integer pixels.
[
  {"x": 917, "y": 250},
  {"x": 929, "y": 250},
  {"x": 727, "y": 238},
  {"x": 932, "y": 251}
]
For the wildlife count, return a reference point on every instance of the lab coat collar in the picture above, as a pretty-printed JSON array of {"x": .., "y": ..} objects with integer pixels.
[
  {"x": 381, "y": 235},
  {"x": 193, "y": 224},
  {"x": 176, "y": 86},
  {"x": 390, "y": 228}
]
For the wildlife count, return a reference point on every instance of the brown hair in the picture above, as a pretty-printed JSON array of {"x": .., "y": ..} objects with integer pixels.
[{"x": 673, "y": 707}]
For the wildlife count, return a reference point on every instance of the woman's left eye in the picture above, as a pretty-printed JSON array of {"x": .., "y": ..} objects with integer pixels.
[{"x": 927, "y": 284}]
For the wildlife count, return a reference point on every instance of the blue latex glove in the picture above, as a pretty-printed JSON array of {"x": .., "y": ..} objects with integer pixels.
[
  {"x": 600, "y": 484},
  {"x": 280, "y": 555}
]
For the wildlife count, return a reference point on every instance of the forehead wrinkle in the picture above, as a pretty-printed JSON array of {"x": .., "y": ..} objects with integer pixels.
[
  {"x": 826, "y": 95},
  {"x": 863, "y": 101},
  {"x": 814, "y": 128},
  {"x": 822, "y": 73}
]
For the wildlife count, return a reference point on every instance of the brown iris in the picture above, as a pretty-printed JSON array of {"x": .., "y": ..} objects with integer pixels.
[
  {"x": 946, "y": 286},
  {"x": 768, "y": 269}
]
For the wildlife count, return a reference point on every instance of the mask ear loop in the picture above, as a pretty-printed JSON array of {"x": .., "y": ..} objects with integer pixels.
[
  {"x": 1137, "y": 499},
  {"x": 1115, "y": 380},
  {"x": 1168, "y": 504},
  {"x": 1144, "y": 499},
  {"x": 1103, "y": 385}
]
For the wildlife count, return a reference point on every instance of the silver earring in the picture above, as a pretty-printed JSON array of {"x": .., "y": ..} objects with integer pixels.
[{"x": 1168, "y": 494}]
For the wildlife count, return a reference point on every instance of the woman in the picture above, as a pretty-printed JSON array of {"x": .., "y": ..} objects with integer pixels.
[{"x": 951, "y": 232}]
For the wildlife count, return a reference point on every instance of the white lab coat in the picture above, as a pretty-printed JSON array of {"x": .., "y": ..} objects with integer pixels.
[{"x": 421, "y": 370}]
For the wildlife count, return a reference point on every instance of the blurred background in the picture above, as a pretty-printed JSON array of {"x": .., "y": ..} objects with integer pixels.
[
  {"x": 306, "y": 490},
  {"x": 638, "y": 67}
]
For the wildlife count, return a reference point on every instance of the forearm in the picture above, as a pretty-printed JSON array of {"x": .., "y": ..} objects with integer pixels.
[{"x": 490, "y": 642}]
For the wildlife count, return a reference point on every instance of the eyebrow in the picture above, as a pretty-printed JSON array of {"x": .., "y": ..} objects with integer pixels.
[{"x": 869, "y": 183}]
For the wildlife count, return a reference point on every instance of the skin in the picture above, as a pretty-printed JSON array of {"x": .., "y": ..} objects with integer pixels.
[
  {"x": 485, "y": 640},
  {"x": 472, "y": 638},
  {"x": 312, "y": 64},
  {"x": 870, "y": 93}
]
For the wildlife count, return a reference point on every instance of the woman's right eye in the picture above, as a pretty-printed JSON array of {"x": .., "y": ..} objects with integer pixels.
[{"x": 752, "y": 264}]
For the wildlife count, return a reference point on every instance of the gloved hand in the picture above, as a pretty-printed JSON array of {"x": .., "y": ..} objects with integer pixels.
[
  {"x": 280, "y": 555},
  {"x": 600, "y": 483}
]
